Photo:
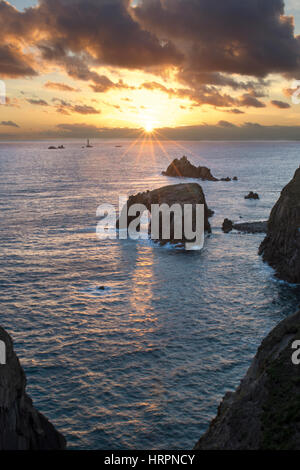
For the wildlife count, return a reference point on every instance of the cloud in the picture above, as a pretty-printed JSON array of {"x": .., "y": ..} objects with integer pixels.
[
  {"x": 280, "y": 104},
  {"x": 9, "y": 124},
  {"x": 210, "y": 38},
  {"x": 214, "y": 49},
  {"x": 84, "y": 109},
  {"x": 65, "y": 107},
  {"x": 104, "y": 29},
  {"x": 249, "y": 100},
  {"x": 60, "y": 87},
  {"x": 226, "y": 124},
  {"x": 14, "y": 63},
  {"x": 37, "y": 102},
  {"x": 247, "y": 38},
  {"x": 234, "y": 111}
]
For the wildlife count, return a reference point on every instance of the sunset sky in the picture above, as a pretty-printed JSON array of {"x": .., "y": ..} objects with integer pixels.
[{"x": 75, "y": 68}]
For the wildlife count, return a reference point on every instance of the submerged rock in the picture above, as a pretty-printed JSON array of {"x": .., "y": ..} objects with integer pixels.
[
  {"x": 264, "y": 412},
  {"x": 184, "y": 169},
  {"x": 252, "y": 195},
  {"x": 190, "y": 193},
  {"x": 226, "y": 179},
  {"x": 281, "y": 247},
  {"x": 22, "y": 427}
]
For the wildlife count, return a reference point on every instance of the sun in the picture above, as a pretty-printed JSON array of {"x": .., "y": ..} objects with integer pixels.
[{"x": 149, "y": 127}]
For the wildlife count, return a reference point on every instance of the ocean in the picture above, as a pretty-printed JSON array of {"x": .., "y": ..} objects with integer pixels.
[{"x": 144, "y": 363}]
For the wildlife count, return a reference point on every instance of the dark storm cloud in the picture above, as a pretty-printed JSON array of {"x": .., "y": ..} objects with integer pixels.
[
  {"x": 212, "y": 44},
  {"x": 248, "y": 37},
  {"x": 104, "y": 29},
  {"x": 208, "y": 37},
  {"x": 14, "y": 63}
]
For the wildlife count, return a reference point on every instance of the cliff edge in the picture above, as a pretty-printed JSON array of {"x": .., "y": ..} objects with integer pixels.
[
  {"x": 264, "y": 412},
  {"x": 22, "y": 427},
  {"x": 281, "y": 247}
]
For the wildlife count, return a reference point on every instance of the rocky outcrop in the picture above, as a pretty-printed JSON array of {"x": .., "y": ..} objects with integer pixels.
[
  {"x": 227, "y": 226},
  {"x": 252, "y": 195},
  {"x": 22, "y": 427},
  {"x": 251, "y": 227},
  {"x": 281, "y": 247},
  {"x": 181, "y": 194},
  {"x": 246, "y": 227},
  {"x": 184, "y": 169},
  {"x": 264, "y": 412}
]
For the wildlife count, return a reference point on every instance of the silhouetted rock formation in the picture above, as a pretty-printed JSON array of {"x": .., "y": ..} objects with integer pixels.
[
  {"x": 22, "y": 427},
  {"x": 227, "y": 226},
  {"x": 281, "y": 247},
  {"x": 252, "y": 195},
  {"x": 247, "y": 227},
  {"x": 52, "y": 148},
  {"x": 264, "y": 412},
  {"x": 184, "y": 169},
  {"x": 181, "y": 194}
]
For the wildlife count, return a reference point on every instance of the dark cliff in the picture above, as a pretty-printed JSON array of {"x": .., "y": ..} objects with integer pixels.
[
  {"x": 281, "y": 247},
  {"x": 22, "y": 427},
  {"x": 264, "y": 412}
]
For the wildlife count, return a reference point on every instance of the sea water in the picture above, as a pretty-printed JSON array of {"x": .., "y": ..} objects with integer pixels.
[{"x": 144, "y": 362}]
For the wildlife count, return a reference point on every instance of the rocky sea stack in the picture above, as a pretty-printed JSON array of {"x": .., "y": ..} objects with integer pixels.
[
  {"x": 184, "y": 169},
  {"x": 281, "y": 247},
  {"x": 190, "y": 193},
  {"x": 264, "y": 412},
  {"x": 252, "y": 195},
  {"x": 22, "y": 427}
]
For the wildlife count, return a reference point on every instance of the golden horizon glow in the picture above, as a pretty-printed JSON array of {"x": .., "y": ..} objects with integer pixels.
[{"x": 149, "y": 127}]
